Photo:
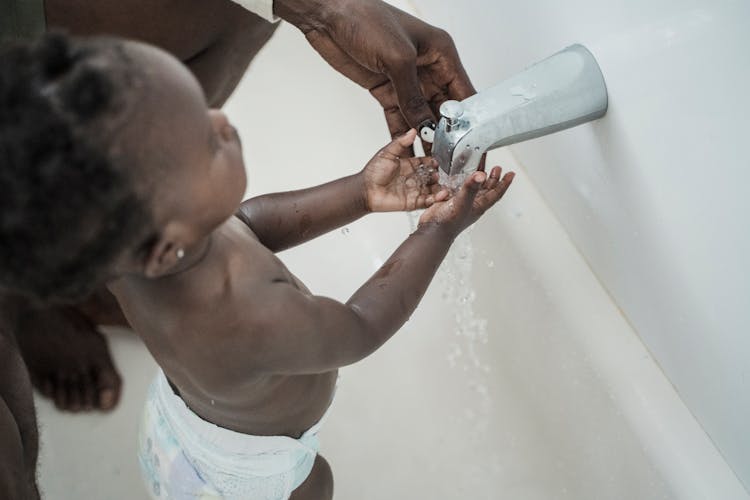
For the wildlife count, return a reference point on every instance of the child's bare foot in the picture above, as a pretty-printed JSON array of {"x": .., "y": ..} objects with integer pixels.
[{"x": 68, "y": 359}]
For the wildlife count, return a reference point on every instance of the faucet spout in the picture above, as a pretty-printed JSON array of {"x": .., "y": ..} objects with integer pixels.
[{"x": 560, "y": 92}]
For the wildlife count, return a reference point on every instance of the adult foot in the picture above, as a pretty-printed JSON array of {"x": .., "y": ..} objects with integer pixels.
[{"x": 68, "y": 359}]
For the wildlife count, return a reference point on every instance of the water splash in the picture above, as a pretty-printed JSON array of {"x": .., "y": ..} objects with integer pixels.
[
  {"x": 452, "y": 182},
  {"x": 470, "y": 329}
]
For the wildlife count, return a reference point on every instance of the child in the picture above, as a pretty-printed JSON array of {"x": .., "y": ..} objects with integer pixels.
[{"x": 113, "y": 169}]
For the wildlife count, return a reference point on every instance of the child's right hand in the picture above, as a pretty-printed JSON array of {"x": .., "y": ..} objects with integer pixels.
[{"x": 478, "y": 193}]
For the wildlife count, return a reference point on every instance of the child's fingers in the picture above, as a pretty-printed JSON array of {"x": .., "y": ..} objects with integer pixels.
[
  {"x": 407, "y": 140},
  {"x": 503, "y": 184},
  {"x": 436, "y": 196},
  {"x": 496, "y": 190},
  {"x": 506, "y": 182},
  {"x": 442, "y": 195},
  {"x": 475, "y": 180},
  {"x": 422, "y": 161},
  {"x": 424, "y": 168},
  {"x": 470, "y": 187},
  {"x": 401, "y": 145},
  {"x": 493, "y": 179},
  {"x": 436, "y": 188}
]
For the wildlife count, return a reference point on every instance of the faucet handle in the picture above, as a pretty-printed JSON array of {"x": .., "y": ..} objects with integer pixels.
[
  {"x": 449, "y": 132},
  {"x": 452, "y": 111}
]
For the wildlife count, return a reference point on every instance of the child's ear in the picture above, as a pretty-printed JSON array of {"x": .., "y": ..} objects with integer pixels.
[{"x": 166, "y": 251}]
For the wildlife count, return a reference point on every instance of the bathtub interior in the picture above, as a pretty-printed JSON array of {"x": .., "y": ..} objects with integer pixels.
[
  {"x": 555, "y": 397},
  {"x": 655, "y": 194}
]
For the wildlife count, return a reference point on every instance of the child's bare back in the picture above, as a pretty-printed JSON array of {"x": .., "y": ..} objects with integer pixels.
[{"x": 208, "y": 328}]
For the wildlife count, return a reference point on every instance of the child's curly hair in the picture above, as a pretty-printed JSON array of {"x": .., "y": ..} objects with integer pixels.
[{"x": 68, "y": 204}]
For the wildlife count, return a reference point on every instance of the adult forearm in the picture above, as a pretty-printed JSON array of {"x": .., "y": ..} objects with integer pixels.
[
  {"x": 387, "y": 300},
  {"x": 14, "y": 478},
  {"x": 305, "y": 14},
  {"x": 283, "y": 220}
]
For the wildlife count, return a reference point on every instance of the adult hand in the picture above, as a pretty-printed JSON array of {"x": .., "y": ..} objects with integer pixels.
[{"x": 409, "y": 66}]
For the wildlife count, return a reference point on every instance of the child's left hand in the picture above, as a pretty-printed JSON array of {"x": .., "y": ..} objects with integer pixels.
[{"x": 393, "y": 181}]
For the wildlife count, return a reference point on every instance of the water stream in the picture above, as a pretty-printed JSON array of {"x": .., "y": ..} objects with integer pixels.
[{"x": 464, "y": 353}]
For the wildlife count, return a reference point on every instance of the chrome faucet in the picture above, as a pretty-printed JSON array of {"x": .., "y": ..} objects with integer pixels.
[{"x": 562, "y": 91}]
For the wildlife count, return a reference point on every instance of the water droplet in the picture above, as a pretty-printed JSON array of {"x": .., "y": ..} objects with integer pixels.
[
  {"x": 345, "y": 231},
  {"x": 470, "y": 330},
  {"x": 491, "y": 263},
  {"x": 468, "y": 146},
  {"x": 476, "y": 148},
  {"x": 213, "y": 402}
]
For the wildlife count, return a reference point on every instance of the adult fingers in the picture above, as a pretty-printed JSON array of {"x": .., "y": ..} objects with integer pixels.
[
  {"x": 459, "y": 85},
  {"x": 412, "y": 102},
  {"x": 386, "y": 95},
  {"x": 341, "y": 61},
  {"x": 395, "y": 120},
  {"x": 447, "y": 71}
]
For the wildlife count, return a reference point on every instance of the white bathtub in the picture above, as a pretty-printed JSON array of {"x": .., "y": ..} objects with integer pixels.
[{"x": 559, "y": 399}]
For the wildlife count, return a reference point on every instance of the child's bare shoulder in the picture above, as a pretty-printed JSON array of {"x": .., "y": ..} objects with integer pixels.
[{"x": 238, "y": 266}]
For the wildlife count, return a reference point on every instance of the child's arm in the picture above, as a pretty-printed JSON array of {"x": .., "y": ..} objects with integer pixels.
[
  {"x": 390, "y": 181},
  {"x": 294, "y": 332}
]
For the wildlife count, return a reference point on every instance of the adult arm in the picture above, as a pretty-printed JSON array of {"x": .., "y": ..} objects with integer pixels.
[
  {"x": 409, "y": 66},
  {"x": 14, "y": 479},
  {"x": 17, "y": 459}
]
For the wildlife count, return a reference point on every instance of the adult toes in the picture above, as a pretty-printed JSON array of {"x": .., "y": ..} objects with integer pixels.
[
  {"x": 73, "y": 387},
  {"x": 46, "y": 385},
  {"x": 108, "y": 388},
  {"x": 88, "y": 391},
  {"x": 60, "y": 392}
]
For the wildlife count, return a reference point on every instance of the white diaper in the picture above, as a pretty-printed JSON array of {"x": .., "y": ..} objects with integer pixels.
[{"x": 183, "y": 456}]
